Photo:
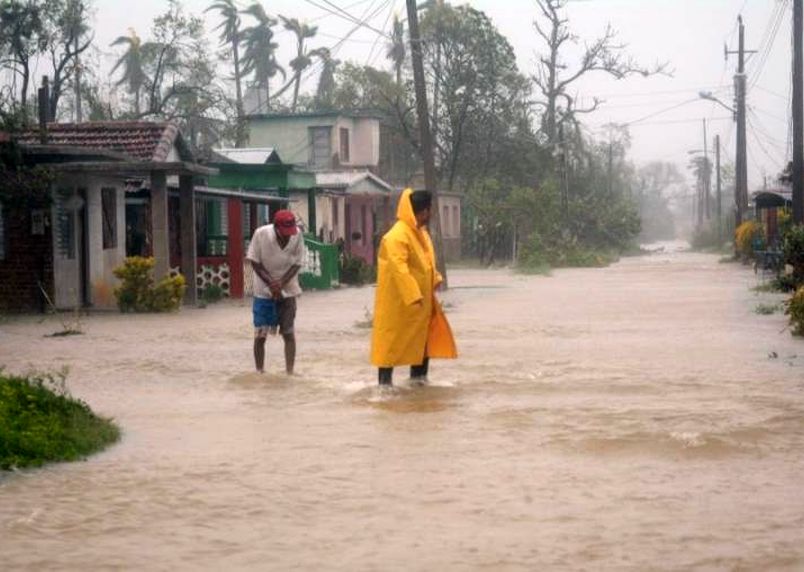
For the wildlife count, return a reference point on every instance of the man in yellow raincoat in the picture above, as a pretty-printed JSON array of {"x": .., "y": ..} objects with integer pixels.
[{"x": 409, "y": 326}]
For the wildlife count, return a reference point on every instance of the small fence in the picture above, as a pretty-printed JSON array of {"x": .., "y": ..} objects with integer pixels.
[{"x": 319, "y": 269}]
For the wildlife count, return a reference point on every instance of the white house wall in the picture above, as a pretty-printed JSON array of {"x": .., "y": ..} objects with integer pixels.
[
  {"x": 366, "y": 145},
  {"x": 290, "y": 137},
  {"x": 101, "y": 262}
]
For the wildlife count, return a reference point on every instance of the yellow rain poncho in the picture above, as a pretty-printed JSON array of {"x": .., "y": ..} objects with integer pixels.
[{"x": 408, "y": 321}]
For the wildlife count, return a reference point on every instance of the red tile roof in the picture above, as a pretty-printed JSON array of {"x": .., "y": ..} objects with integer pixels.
[{"x": 143, "y": 140}]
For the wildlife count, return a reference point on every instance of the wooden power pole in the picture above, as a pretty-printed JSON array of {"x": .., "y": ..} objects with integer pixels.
[
  {"x": 426, "y": 143},
  {"x": 798, "y": 111},
  {"x": 741, "y": 159},
  {"x": 718, "y": 198}
]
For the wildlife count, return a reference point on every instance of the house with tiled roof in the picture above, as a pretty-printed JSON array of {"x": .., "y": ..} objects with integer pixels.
[
  {"x": 119, "y": 188},
  {"x": 82, "y": 236}
]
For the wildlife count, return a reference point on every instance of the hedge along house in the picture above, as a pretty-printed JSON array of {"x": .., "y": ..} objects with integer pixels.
[
  {"x": 82, "y": 237},
  {"x": 261, "y": 171}
]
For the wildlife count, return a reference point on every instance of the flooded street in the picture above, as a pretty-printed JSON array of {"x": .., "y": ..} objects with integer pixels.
[{"x": 637, "y": 417}]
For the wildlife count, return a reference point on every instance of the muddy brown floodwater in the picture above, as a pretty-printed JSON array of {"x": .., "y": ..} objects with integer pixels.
[{"x": 637, "y": 417}]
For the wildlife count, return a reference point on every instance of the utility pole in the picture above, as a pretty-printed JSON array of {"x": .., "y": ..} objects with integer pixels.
[
  {"x": 741, "y": 159},
  {"x": 798, "y": 111},
  {"x": 718, "y": 207},
  {"x": 426, "y": 143}
]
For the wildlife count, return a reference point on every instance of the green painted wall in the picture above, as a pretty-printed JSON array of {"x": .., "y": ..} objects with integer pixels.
[{"x": 280, "y": 177}]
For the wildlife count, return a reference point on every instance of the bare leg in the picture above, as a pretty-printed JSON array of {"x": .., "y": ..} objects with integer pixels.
[
  {"x": 259, "y": 354},
  {"x": 290, "y": 352}
]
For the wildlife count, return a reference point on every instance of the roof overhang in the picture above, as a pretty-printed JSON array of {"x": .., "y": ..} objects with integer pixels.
[
  {"x": 249, "y": 196},
  {"x": 772, "y": 199},
  {"x": 134, "y": 168}
]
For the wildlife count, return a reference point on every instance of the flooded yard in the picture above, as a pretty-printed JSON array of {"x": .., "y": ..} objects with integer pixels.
[{"x": 637, "y": 417}]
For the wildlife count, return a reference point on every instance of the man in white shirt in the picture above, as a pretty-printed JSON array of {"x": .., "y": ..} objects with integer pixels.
[{"x": 276, "y": 252}]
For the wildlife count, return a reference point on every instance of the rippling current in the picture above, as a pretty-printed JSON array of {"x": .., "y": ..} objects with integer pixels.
[{"x": 636, "y": 417}]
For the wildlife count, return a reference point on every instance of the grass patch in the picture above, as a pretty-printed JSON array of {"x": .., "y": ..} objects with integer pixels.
[
  {"x": 766, "y": 287},
  {"x": 764, "y": 309},
  {"x": 541, "y": 269},
  {"x": 40, "y": 422}
]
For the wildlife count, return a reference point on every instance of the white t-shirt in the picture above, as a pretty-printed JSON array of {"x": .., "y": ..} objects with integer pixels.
[{"x": 264, "y": 248}]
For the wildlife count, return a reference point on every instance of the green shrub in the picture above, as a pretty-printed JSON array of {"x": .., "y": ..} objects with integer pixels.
[
  {"x": 137, "y": 292},
  {"x": 749, "y": 237},
  {"x": 40, "y": 422},
  {"x": 355, "y": 271},
  {"x": 765, "y": 309},
  {"x": 784, "y": 283},
  {"x": 793, "y": 249},
  {"x": 532, "y": 257},
  {"x": 212, "y": 293},
  {"x": 795, "y": 309}
]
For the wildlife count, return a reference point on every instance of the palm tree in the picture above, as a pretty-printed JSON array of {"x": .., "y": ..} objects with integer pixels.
[
  {"x": 303, "y": 59},
  {"x": 259, "y": 56},
  {"x": 396, "y": 51},
  {"x": 326, "y": 81},
  {"x": 231, "y": 35},
  {"x": 132, "y": 62}
]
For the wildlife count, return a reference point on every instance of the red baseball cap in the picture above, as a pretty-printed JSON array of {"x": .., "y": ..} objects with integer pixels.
[{"x": 285, "y": 223}]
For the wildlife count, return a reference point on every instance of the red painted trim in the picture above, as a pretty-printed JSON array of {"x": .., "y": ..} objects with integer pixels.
[{"x": 235, "y": 250}]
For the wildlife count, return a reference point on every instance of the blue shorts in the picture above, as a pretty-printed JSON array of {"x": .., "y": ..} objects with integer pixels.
[
  {"x": 271, "y": 316},
  {"x": 265, "y": 313}
]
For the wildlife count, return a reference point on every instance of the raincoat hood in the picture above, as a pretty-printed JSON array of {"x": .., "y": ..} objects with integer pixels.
[{"x": 404, "y": 210}]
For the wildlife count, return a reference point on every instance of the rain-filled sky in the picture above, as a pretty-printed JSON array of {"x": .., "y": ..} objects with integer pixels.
[{"x": 665, "y": 114}]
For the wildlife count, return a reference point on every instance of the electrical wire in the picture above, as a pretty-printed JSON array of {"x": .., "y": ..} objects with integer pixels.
[
  {"x": 346, "y": 16},
  {"x": 315, "y": 68},
  {"x": 370, "y": 58},
  {"x": 660, "y": 112},
  {"x": 774, "y": 160},
  {"x": 756, "y": 72}
]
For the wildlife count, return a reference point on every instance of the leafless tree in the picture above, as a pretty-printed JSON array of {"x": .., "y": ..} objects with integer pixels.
[{"x": 555, "y": 76}]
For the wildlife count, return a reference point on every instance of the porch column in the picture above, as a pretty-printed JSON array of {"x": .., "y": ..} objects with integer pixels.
[
  {"x": 311, "y": 218},
  {"x": 160, "y": 236},
  {"x": 189, "y": 266},
  {"x": 235, "y": 247}
]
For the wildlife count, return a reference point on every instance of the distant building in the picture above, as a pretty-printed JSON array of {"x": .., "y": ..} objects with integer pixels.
[{"x": 319, "y": 141}]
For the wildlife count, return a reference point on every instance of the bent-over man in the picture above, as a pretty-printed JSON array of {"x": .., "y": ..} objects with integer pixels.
[{"x": 276, "y": 252}]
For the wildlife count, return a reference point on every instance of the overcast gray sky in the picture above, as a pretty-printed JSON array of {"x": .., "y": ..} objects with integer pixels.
[{"x": 689, "y": 34}]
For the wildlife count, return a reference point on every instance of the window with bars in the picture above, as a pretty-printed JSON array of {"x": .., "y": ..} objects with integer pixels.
[
  {"x": 320, "y": 149},
  {"x": 109, "y": 215},
  {"x": 344, "y": 138},
  {"x": 65, "y": 225}
]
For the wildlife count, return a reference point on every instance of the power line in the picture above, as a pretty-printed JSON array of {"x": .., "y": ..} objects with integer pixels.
[
  {"x": 665, "y": 110},
  {"x": 766, "y": 50},
  {"x": 263, "y": 106},
  {"x": 764, "y": 149},
  {"x": 679, "y": 121},
  {"x": 370, "y": 58},
  {"x": 341, "y": 13}
]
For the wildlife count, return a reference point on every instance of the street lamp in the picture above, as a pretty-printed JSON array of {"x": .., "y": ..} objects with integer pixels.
[
  {"x": 708, "y": 95},
  {"x": 741, "y": 154}
]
